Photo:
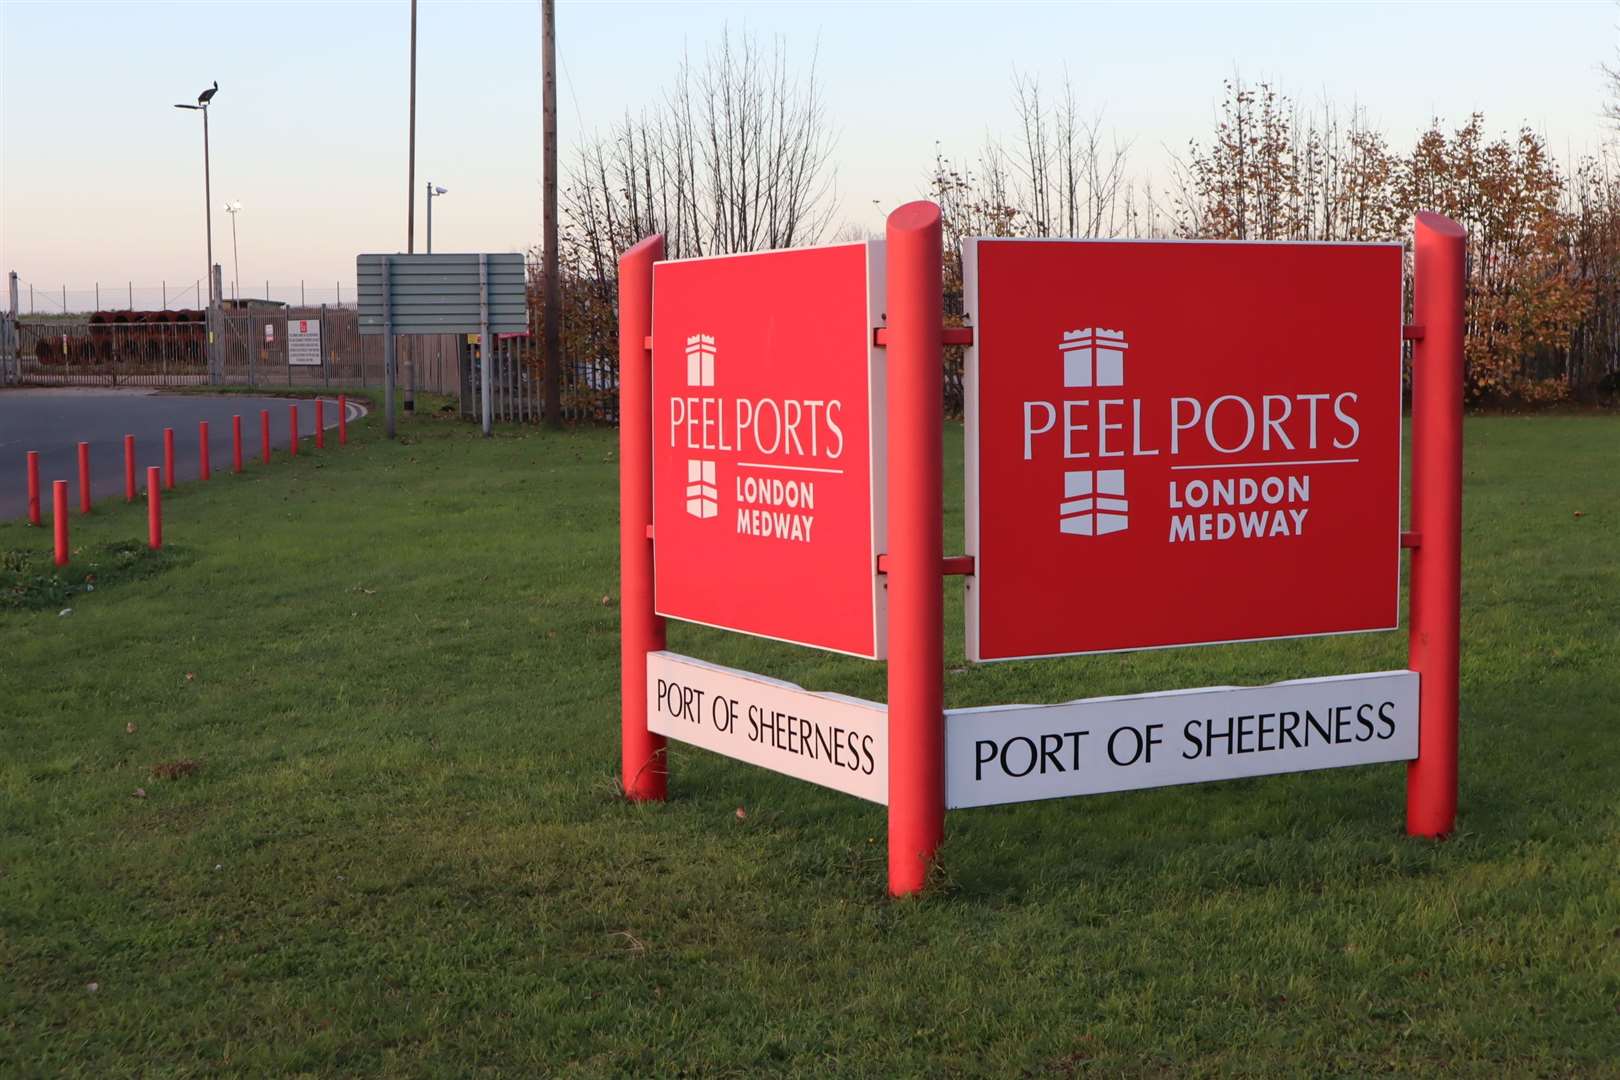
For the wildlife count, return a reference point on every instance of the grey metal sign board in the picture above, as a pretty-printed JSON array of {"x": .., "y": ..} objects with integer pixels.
[{"x": 439, "y": 294}]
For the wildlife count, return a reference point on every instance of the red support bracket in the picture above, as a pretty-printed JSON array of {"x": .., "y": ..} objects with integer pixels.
[
  {"x": 1412, "y": 540},
  {"x": 646, "y": 343},
  {"x": 649, "y": 532},
  {"x": 950, "y": 565},
  {"x": 1412, "y": 332},
  {"x": 950, "y": 335}
]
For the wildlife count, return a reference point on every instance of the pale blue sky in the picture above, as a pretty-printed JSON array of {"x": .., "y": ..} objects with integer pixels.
[{"x": 102, "y": 178}]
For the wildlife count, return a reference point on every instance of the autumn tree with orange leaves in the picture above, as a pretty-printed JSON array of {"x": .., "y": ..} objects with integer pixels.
[{"x": 1539, "y": 267}]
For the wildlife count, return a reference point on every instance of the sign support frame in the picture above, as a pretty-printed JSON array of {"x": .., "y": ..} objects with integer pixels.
[
  {"x": 485, "y": 362},
  {"x": 388, "y": 349},
  {"x": 643, "y": 756},
  {"x": 916, "y": 566},
  {"x": 1434, "y": 633},
  {"x": 916, "y": 663}
]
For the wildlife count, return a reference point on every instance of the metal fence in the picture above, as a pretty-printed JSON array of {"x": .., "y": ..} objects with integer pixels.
[
  {"x": 10, "y": 372},
  {"x": 170, "y": 348},
  {"x": 253, "y": 352},
  {"x": 589, "y": 388},
  {"x": 116, "y": 349},
  {"x": 40, "y": 299}
]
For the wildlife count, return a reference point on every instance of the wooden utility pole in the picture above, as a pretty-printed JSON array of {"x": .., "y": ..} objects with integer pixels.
[
  {"x": 552, "y": 299},
  {"x": 410, "y": 169}
]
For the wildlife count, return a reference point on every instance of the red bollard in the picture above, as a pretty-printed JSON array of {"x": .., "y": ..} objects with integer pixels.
[
  {"x": 236, "y": 443},
  {"x": 168, "y": 458},
  {"x": 154, "y": 510},
  {"x": 264, "y": 436},
  {"x": 202, "y": 450},
  {"x": 320, "y": 425},
  {"x": 343, "y": 420},
  {"x": 129, "y": 468},
  {"x": 643, "y": 761},
  {"x": 84, "y": 478},
  {"x": 292, "y": 423},
  {"x": 33, "y": 487},
  {"x": 59, "y": 519},
  {"x": 916, "y": 547},
  {"x": 1439, "y": 253}
]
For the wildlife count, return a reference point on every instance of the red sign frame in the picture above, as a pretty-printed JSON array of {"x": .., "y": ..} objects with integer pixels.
[
  {"x": 769, "y": 442},
  {"x": 1203, "y": 438}
]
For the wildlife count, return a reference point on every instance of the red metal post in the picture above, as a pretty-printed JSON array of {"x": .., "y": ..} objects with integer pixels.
[
  {"x": 292, "y": 425},
  {"x": 236, "y": 442},
  {"x": 264, "y": 436},
  {"x": 154, "y": 510},
  {"x": 202, "y": 450},
  {"x": 1439, "y": 254},
  {"x": 84, "y": 478},
  {"x": 129, "y": 468},
  {"x": 168, "y": 458},
  {"x": 644, "y": 767},
  {"x": 33, "y": 488},
  {"x": 343, "y": 420},
  {"x": 320, "y": 424},
  {"x": 59, "y": 519},
  {"x": 916, "y": 546}
]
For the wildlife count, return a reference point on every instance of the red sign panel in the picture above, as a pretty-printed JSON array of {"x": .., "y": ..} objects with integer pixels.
[
  {"x": 767, "y": 445},
  {"x": 1174, "y": 443}
]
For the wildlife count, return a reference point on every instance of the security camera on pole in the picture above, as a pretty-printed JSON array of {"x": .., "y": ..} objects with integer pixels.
[{"x": 432, "y": 190}]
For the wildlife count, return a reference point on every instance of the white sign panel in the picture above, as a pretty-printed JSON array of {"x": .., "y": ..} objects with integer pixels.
[
  {"x": 1019, "y": 753},
  {"x": 303, "y": 342},
  {"x": 828, "y": 739}
]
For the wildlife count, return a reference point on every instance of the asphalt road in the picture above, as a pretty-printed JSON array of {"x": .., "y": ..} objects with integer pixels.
[{"x": 55, "y": 420}]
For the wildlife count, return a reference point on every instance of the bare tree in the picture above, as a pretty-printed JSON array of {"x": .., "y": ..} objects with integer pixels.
[
  {"x": 1611, "y": 108},
  {"x": 736, "y": 157}
]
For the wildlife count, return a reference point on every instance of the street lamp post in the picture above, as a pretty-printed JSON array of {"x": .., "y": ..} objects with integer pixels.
[
  {"x": 208, "y": 197},
  {"x": 432, "y": 191},
  {"x": 233, "y": 208}
]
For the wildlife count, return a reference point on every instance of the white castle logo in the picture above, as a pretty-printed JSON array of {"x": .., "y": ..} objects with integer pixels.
[
  {"x": 1092, "y": 357},
  {"x": 700, "y": 360},
  {"x": 1094, "y": 502},
  {"x": 702, "y": 492}
]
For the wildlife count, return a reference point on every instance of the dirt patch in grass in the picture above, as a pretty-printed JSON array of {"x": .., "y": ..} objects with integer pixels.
[{"x": 30, "y": 581}]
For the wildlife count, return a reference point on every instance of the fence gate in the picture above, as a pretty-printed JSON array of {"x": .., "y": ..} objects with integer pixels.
[{"x": 165, "y": 348}]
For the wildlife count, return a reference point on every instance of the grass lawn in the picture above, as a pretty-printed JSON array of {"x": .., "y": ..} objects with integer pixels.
[{"x": 399, "y": 851}]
